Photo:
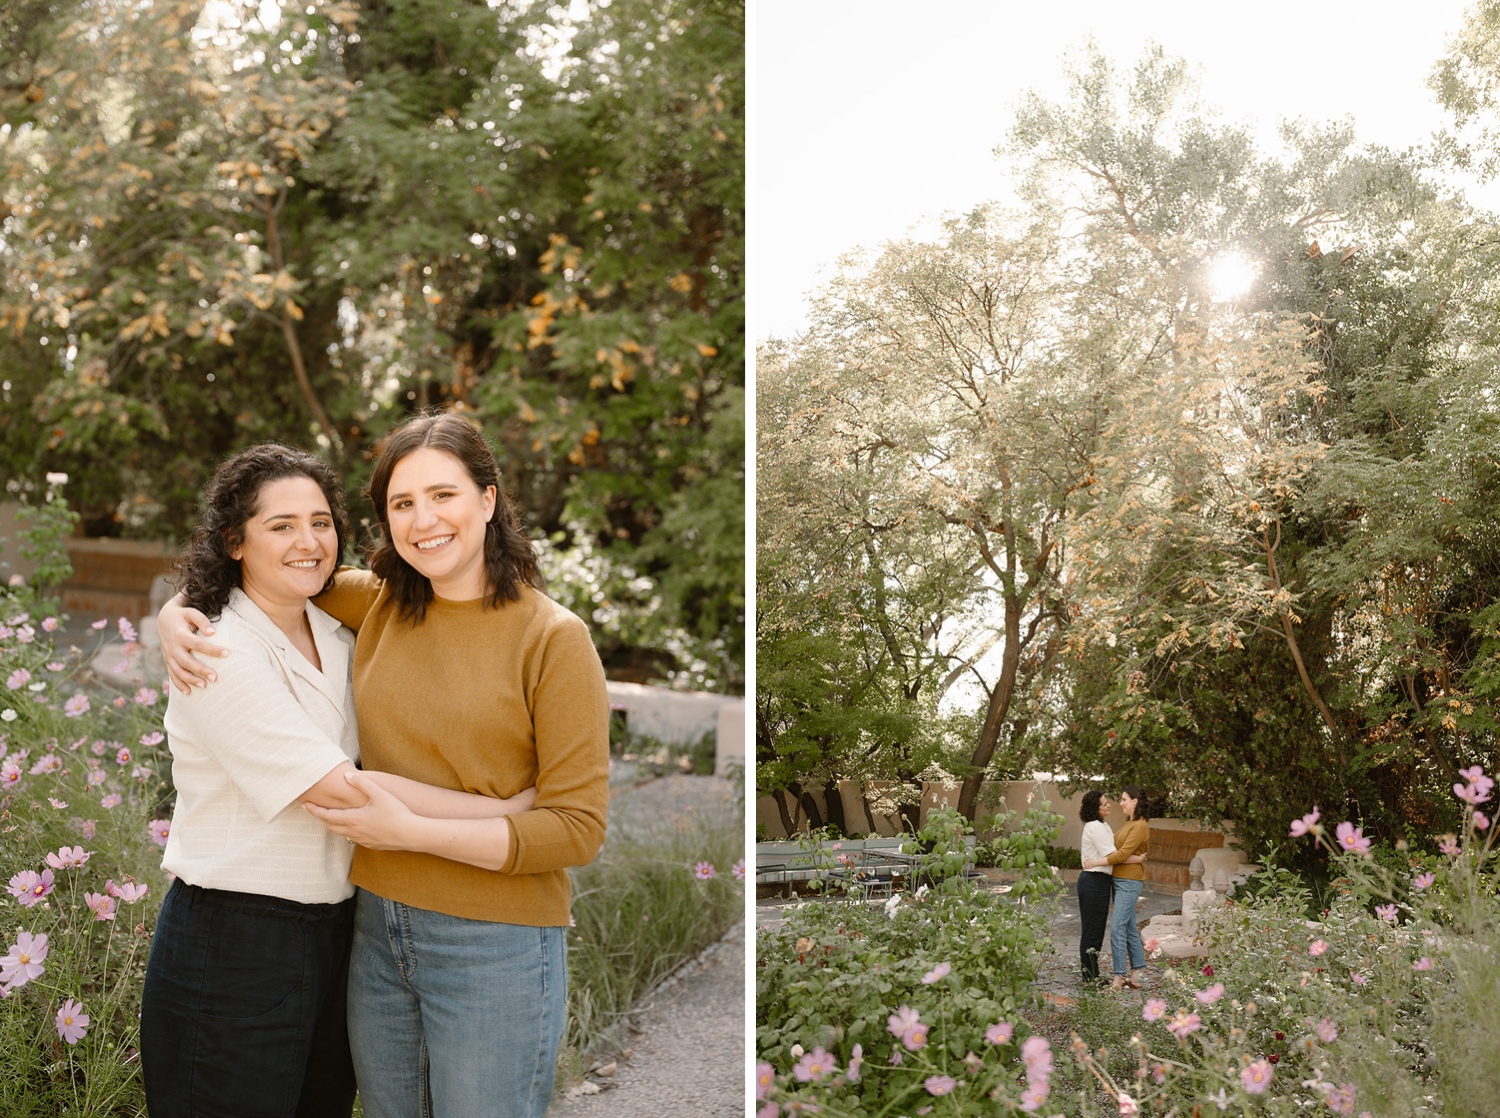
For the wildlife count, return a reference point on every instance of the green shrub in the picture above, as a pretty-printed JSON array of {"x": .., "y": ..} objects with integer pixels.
[
  {"x": 643, "y": 909},
  {"x": 911, "y": 1001}
]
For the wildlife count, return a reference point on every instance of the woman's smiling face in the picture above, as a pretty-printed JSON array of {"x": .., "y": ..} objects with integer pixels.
[
  {"x": 437, "y": 516},
  {"x": 290, "y": 543}
]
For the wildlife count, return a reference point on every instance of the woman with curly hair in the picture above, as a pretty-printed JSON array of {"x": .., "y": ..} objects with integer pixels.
[
  {"x": 244, "y": 1004},
  {"x": 466, "y": 675}
]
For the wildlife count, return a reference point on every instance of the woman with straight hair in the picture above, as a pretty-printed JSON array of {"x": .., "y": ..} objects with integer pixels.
[
  {"x": 1127, "y": 952},
  {"x": 468, "y": 677},
  {"x": 243, "y": 1010}
]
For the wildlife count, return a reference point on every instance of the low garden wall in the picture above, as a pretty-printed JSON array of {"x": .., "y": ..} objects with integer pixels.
[{"x": 1173, "y": 841}]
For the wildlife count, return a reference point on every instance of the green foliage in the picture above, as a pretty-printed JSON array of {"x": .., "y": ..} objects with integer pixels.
[
  {"x": 832, "y": 974},
  {"x": 223, "y": 230},
  {"x": 641, "y": 911},
  {"x": 43, "y": 528},
  {"x": 1376, "y": 1004}
]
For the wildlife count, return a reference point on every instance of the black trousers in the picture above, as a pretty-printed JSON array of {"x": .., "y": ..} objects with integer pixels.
[
  {"x": 1094, "y": 892},
  {"x": 243, "y": 1012}
]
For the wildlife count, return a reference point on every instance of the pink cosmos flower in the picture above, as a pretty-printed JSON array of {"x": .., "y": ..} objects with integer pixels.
[
  {"x": 1305, "y": 825},
  {"x": 1211, "y": 995},
  {"x": 147, "y": 696},
  {"x": 86, "y": 828},
  {"x": 939, "y": 1084},
  {"x": 102, "y": 905},
  {"x": 130, "y": 892},
  {"x": 123, "y": 757},
  {"x": 1386, "y": 912},
  {"x": 738, "y": 870},
  {"x": 118, "y": 702},
  {"x": 704, "y": 871},
  {"x": 1352, "y": 838},
  {"x": 46, "y": 763},
  {"x": 765, "y": 1076},
  {"x": 1155, "y": 1007},
  {"x": 153, "y": 738},
  {"x": 68, "y": 857},
  {"x": 55, "y": 665},
  {"x": 1424, "y": 963},
  {"x": 1036, "y": 1054},
  {"x": 18, "y": 679},
  {"x": 855, "y": 1060},
  {"x": 999, "y": 1033},
  {"x": 1341, "y": 1099},
  {"x": 103, "y": 621},
  {"x": 127, "y": 631},
  {"x": 1481, "y": 821},
  {"x": 160, "y": 829},
  {"x": 77, "y": 705},
  {"x": 25, "y": 634},
  {"x": 906, "y": 1026},
  {"x": 814, "y": 1066},
  {"x": 1183, "y": 1023},
  {"x": 49, "y": 625},
  {"x": 768, "y": 1109},
  {"x": 141, "y": 773},
  {"x": 58, "y": 804},
  {"x": 1316, "y": 948},
  {"x": 24, "y": 960},
  {"x": 1128, "y": 1106},
  {"x": 1423, "y": 880},
  {"x": 29, "y": 887},
  {"x": 936, "y": 974},
  {"x": 1327, "y": 1031},
  {"x": 96, "y": 777},
  {"x": 10, "y": 774},
  {"x": 1035, "y": 1094},
  {"x": 98, "y": 748},
  {"x": 1359, "y": 978},
  {"x": 109, "y": 801},
  {"x": 72, "y": 1022},
  {"x": 1257, "y": 1077}
]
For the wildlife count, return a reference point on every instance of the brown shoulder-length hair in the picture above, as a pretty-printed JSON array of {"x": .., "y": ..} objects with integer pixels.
[
  {"x": 205, "y": 571},
  {"x": 509, "y": 558}
]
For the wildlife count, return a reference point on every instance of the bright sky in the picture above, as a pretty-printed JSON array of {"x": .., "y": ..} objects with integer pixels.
[{"x": 872, "y": 115}]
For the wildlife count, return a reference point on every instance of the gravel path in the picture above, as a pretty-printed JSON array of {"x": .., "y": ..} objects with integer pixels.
[
  {"x": 686, "y": 1051},
  {"x": 688, "y": 1055}
]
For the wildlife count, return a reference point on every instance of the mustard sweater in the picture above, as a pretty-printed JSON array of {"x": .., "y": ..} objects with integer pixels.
[
  {"x": 489, "y": 701},
  {"x": 1133, "y": 838}
]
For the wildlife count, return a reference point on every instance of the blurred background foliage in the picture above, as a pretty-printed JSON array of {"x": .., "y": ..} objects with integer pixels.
[{"x": 230, "y": 222}]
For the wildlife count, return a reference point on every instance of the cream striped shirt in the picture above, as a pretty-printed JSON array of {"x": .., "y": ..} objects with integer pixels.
[{"x": 245, "y": 748}]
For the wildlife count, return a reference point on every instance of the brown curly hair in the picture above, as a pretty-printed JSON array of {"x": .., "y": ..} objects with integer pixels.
[
  {"x": 509, "y": 559},
  {"x": 205, "y": 572}
]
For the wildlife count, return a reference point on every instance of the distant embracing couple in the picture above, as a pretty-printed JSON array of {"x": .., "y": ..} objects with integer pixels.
[{"x": 1112, "y": 868}]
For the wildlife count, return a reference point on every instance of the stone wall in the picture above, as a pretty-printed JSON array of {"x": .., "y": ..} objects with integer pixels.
[{"x": 1173, "y": 841}]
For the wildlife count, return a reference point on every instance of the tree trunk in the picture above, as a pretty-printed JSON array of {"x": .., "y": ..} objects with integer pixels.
[
  {"x": 787, "y": 824},
  {"x": 835, "y": 806},
  {"x": 289, "y": 331},
  {"x": 809, "y": 805},
  {"x": 999, "y": 706},
  {"x": 1291, "y": 637}
]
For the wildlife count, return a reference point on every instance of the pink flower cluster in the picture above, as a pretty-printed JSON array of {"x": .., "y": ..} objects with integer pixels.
[
  {"x": 906, "y": 1026},
  {"x": 1036, "y": 1054}
]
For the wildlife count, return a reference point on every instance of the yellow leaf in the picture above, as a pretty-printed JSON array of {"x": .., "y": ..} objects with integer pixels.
[{"x": 707, "y": 350}]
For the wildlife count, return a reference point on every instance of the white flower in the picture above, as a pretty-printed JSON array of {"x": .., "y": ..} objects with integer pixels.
[
  {"x": 57, "y": 479},
  {"x": 8, "y": 714}
]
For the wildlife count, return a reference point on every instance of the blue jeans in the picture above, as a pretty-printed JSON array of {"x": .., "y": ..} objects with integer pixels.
[
  {"x": 243, "y": 1009},
  {"x": 1124, "y": 934},
  {"x": 453, "y": 1018}
]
